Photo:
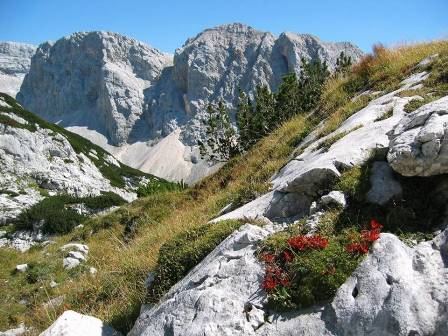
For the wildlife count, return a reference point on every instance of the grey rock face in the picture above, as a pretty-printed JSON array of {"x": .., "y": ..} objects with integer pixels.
[
  {"x": 93, "y": 79},
  {"x": 15, "y": 60},
  {"x": 383, "y": 184},
  {"x": 132, "y": 93},
  {"x": 217, "y": 62},
  {"x": 418, "y": 144}
]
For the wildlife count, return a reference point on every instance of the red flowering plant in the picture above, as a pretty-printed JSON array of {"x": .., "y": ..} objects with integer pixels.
[
  {"x": 366, "y": 239},
  {"x": 302, "y": 270}
]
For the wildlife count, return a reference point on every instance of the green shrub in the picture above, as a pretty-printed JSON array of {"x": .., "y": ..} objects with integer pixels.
[
  {"x": 314, "y": 275},
  {"x": 158, "y": 185},
  {"x": 183, "y": 252},
  {"x": 57, "y": 217},
  {"x": 103, "y": 201}
]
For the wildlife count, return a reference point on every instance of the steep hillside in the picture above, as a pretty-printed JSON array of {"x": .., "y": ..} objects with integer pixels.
[
  {"x": 310, "y": 259},
  {"x": 15, "y": 61},
  {"x": 131, "y": 100},
  {"x": 39, "y": 159}
]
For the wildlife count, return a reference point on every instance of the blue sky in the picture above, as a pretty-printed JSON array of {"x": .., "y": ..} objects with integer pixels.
[{"x": 167, "y": 24}]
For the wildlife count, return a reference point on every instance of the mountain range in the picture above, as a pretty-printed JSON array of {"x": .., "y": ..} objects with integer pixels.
[{"x": 145, "y": 106}]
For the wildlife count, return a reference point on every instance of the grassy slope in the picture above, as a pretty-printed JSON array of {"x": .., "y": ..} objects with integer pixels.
[{"x": 124, "y": 261}]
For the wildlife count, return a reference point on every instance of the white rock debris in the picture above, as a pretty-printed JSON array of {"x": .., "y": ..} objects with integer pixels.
[
  {"x": 77, "y": 253},
  {"x": 71, "y": 323}
]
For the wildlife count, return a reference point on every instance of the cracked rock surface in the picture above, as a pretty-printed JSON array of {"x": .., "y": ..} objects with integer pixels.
[{"x": 419, "y": 142}]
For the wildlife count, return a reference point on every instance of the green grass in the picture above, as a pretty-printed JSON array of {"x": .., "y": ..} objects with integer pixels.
[
  {"x": 389, "y": 113},
  {"x": 327, "y": 143},
  {"x": 158, "y": 186},
  {"x": 5, "y": 120}
]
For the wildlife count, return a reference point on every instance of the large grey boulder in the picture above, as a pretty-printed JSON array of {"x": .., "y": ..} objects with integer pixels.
[
  {"x": 71, "y": 323},
  {"x": 396, "y": 290},
  {"x": 15, "y": 60},
  {"x": 418, "y": 144},
  {"x": 383, "y": 184}
]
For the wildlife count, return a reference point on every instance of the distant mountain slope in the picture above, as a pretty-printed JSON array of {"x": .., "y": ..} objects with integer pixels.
[
  {"x": 130, "y": 93},
  {"x": 38, "y": 158},
  {"x": 15, "y": 61}
]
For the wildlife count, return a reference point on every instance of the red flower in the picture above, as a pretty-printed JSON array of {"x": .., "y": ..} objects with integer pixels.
[
  {"x": 284, "y": 281},
  {"x": 288, "y": 256},
  {"x": 267, "y": 258},
  {"x": 307, "y": 242},
  {"x": 269, "y": 283},
  {"x": 357, "y": 247},
  {"x": 375, "y": 225}
]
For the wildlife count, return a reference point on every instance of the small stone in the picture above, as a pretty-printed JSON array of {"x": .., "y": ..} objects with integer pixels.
[
  {"x": 53, "y": 284},
  {"x": 93, "y": 271},
  {"x": 22, "y": 268},
  {"x": 70, "y": 263},
  {"x": 76, "y": 246},
  {"x": 149, "y": 280},
  {"x": 334, "y": 198},
  {"x": 77, "y": 255}
]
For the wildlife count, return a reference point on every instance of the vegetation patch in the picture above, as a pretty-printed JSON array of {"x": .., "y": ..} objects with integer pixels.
[
  {"x": 386, "y": 115},
  {"x": 180, "y": 254},
  {"x": 57, "y": 217},
  {"x": 5, "y": 120},
  {"x": 305, "y": 270},
  {"x": 159, "y": 185}
]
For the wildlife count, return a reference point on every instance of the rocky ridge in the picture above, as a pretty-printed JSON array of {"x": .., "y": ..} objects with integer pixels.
[
  {"x": 130, "y": 97},
  {"x": 15, "y": 61},
  {"x": 39, "y": 160}
]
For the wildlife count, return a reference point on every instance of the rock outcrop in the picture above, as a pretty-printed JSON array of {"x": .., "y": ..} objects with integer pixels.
[
  {"x": 419, "y": 144},
  {"x": 15, "y": 61},
  {"x": 396, "y": 290},
  {"x": 36, "y": 161},
  {"x": 95, "y": 80},
  {"x": 127, "y": 96},
  {"x": 305, "y": 177}
]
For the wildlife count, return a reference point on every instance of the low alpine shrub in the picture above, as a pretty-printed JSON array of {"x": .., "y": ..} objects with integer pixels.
[{"x": 304, "y": 270}]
